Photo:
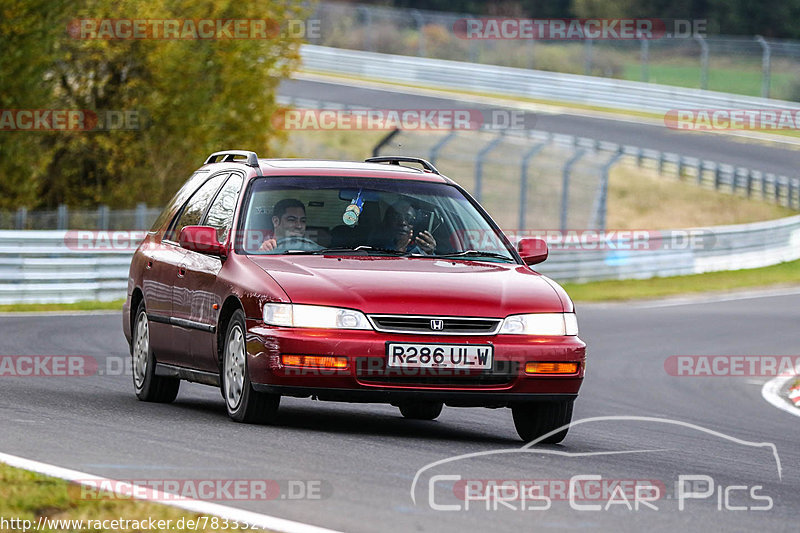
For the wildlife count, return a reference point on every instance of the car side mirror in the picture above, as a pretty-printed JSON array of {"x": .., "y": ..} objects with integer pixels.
[
  {"x": 202, "y": 239},
  {"x": 532, "y": 250}
]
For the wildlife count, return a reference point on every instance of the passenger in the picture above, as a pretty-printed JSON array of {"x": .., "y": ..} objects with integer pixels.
[{"x": 398, "y": 231}]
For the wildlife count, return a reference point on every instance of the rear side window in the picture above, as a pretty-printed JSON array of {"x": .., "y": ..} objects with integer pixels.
[
  {"x": 188, "y": 188},
  {"x": 192, "y": 212},
  {"x": 220, "y": 214}
]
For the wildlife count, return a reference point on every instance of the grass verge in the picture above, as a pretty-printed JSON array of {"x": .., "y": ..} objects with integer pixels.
[
  {"x": 88, "y": 305},
  {"x": 30, "y": 496},
  {"x": 618, "y": 290}
]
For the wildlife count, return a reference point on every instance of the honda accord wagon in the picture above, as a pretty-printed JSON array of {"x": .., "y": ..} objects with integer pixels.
[{"x": 382, "y": 281}]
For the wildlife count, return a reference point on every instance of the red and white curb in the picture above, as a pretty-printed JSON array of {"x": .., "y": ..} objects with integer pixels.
[
  {"x": 255, "y": 520},
  {"x": 794, "y": 395},
  {"x": 771, "y": 391}
]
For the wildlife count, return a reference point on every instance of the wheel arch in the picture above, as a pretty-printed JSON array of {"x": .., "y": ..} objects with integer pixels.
[
  {"x": 137, "y": 296},
  {"x": 231, "y": 304}
]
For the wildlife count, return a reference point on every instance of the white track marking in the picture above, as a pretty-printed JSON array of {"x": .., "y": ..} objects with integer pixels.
[{"x": 196, "y": 506}]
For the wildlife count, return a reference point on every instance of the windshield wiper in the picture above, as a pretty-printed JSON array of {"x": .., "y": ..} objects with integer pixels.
[
  {"x": 476, "y": 253},
  {"x": 362, "y": 248}
]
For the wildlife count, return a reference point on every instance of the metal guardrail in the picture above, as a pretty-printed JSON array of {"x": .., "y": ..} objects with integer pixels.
[
  {"x": 38, "y": 266},
  {"x": 518, "y": 82},
  {"x": 685, "y": 56},
  {"x": 682, "y": 252}
]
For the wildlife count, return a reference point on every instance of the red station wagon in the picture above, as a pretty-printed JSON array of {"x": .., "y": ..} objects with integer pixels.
[{"x": 354, "y": 282}]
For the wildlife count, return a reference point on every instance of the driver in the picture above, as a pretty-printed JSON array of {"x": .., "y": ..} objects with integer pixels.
[{"x": 289, "y": 223}]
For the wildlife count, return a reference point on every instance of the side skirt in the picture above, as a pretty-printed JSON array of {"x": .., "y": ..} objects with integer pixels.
[{"x": 195, "y": 376}]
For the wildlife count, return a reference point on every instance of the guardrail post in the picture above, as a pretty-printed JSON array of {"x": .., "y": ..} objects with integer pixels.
[
  {"x": 565, "y": 186},
  {"x": 419, "y": 21},
  {"x": 102, "y": 217},
  {"x": 62, "y": 217},
  {"x": 523, "y": 186},
  {"x": 645, "y": 57},
  {"x": 473, "y": 50},
  {"x": 765, "y": 65},
  {"x": 587, "y": 57},
  {"x": 367, "y": 28},
  {"x": 479, "y": 163},
  {"x": 601, "y": 202},
  {"x": 764, "y": 180},
  {"x": 21, "y": 221},
  {"x": 703, "y": 60},
  {"x": 750, "y": 183},
  {"x": 639, "y": 156},
  {"x": 141, "y": 215},
  {"x": 680, "y": 167},
  {"x": 434, "y": 153},
  {"x": 700, "y": 168},
  {"x": 778, "y": 189},
  {"x": 660, "y": 163}
]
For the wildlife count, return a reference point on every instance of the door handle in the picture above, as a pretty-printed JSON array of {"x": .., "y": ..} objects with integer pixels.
[{"x": 181, "y": 271}]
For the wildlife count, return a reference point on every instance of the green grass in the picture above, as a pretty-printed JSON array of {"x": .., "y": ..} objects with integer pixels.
[
  {"x": 745, "y": 80},
  {"x": 88, "y": 305},
  {"x": 617, "y": 290},
  {"x": 27, "y": 496}
]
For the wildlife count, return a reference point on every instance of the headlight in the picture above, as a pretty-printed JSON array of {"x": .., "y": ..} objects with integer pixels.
[
  {"x": 314, "y": 316},
  {"x": 541, "y": 324}
]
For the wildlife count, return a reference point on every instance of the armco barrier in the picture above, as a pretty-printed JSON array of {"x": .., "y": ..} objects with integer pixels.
[
  {"x": 518, "y": 82},
  {"x": 38, "y": 266}
]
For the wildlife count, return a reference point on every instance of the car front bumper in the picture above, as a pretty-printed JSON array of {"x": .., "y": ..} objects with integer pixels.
[{"x": 367, "y": 379}]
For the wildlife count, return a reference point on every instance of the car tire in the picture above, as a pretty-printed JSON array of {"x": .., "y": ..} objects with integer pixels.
[
  {"x": 244, "y": 404},
  {"x": 148, "y": 386},
  {"x": 533, "y": 420},
  {"x": 421, "y": 410}
]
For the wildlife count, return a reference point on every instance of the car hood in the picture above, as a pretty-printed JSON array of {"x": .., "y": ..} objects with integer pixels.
[{"x": 414, "y": 286}]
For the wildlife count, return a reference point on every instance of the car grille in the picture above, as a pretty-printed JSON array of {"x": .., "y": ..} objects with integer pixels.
[{"x": 423, "y": 325}]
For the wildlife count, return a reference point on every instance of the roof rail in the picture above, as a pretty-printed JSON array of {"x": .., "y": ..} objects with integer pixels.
[
  {"x": 229, "y": 156},
  {"x": 396, "y": 159}
]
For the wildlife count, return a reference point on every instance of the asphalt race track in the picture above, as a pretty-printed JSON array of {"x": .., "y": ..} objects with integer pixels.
[
  {"x": 365, "y": 457},
  {"x": 713, "y": 147}
]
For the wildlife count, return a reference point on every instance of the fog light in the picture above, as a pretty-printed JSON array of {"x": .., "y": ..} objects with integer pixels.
[
  {"x": 314, "y": 361},
  {"x": 535, "y": 367}
]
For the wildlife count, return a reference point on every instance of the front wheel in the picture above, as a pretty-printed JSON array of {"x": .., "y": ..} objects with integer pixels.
[
  {"x": 148, "y": 386},
  {"x": 533, "y": 420},
  {"x": 244, "y": 404},
  {"x": 421, "y": 410}
]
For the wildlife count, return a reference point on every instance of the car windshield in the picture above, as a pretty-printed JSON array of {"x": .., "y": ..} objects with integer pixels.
[{"x": 366, "y": 216}]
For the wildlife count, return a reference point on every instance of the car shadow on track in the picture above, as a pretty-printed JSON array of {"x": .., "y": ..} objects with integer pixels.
[{"x": 331, "y": 417}]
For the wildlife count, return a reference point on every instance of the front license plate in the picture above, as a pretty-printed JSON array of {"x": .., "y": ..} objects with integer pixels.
[{"x": 403, "y": 355}]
